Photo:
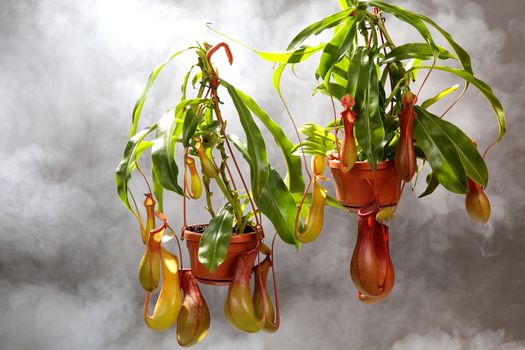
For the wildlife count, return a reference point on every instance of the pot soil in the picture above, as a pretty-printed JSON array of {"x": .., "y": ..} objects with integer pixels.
[
  {"x": 358, "y": 187},
  {"x": 239, "y": 244}
]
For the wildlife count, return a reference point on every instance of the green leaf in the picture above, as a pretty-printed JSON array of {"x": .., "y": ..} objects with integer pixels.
[
  {"x": 336, "y": 90},
  {"x": 215, "y": 240},
  {"x": 293, "y": 163},
  {"x": 318, "y": 27},
  {"x": 339, "y": 43},
  {"x": 318, "y": 140},
  {"x": 358, "y": 76},
  {"x": 415, "y": 50},
  {"x": 439, "y": 96},
  {"x": 191, "y": 121},
  {"x": 472, "y": 161},
  {"x": 441, "y": 154},
  {"x": 432, "y": 184},
  {"x": 412, "y": 73},
  {"x": 369, "y": 130},
  {"x": 185, "y": 83},
  {"x": 317, "y": 132},
  {"x": 144, "y": 145},
  {"x": 276, "y": 79},
  {"x": 276, "y": 201},
  {"x": 329, "y": 201},
  {"x": 484, "y": 89},
  {"x": 126, "y": 165},
  {"x": 461, "y": 54},
  {"x": 142, "y": 99},
  {"x": 256, "y": 146},
  {"x": 163, "y": 151},
  {"x": 310, "y": 148},
  {"x": 158, "y": 191},
  {"x": 292, "y": 56},
  {"x": 409, "y": 17},
  {"x": 277, "y": 204}
]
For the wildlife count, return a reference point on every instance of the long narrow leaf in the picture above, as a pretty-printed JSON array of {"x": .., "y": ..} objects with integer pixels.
[
  {"x": 415, "y": 50},
  {"x": 369, "y": 129},
  {"x": 256, "y": 146},
  {"x": 215, "y": 240},
  {"x": 126, "y": 165},
  {"x": 338, "y": 44},
  {"x": 276, "y": 201},
  {"x": 410, "y": 18},
  {"x": 432, "y": 184},
  {"x": 441, "y": 154},
  {"x": 472, "y": 161},
  {"x": 439, "y": 96},
  {"x": 292, "y": 56},
  {"x": 484, "y": 89},
  {"x": 163, "y": 151},
  {"x": 142, "y": 99},
  {"x": 191, "y": 121},
  {"x": 158, "y": 191},
  {"x": 318, "y": 27},
  {"x": 293, "y": 163}
]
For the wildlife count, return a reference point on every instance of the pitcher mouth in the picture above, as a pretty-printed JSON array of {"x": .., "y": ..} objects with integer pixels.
[
  {"x": 361, "y": 165},
  {"x": 370, "y": 209},
  {"x": 194, "y": 233}
]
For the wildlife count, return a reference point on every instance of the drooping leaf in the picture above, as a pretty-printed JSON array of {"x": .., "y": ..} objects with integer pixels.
[
  {"x": 439, "y": 96},
  {"x": 318, "y": 27},
  {"x": 339, "y": 43},
  {"x": 277, "y": 204},
  {"x": 369, "y": 129},
  {"x": 329, "y": 201},
  {"x": 185, "y": 83},
  {"x": 215, "y": 240},
  {"x": 432, "y": 184},
  {"x": 410, "y": 18},
  {"x": 255, "y": 142},
  {"x": 472, "y": 161},
  {"x": 441, "y": 154},
  {"x": 291, "y": 56},
  {"x": 163, "y": 151},
  {"x": 142, "y": 99},
  {"x": 358, "y": 78},
  {"x": 126, "y": 165},
  {"x": 461, "y": 54},
  {"x": 484, "y": 89},
  {"x": 276, "y": 201},
  {"x": 276, "y": 78},
  {"x": 191, "y": 121},
  {"x": 293, "y": 163},
  {"x": 415, "y": 50},
  {"x": 158, "y": 191},
  {"x": 334, "y": 90}
]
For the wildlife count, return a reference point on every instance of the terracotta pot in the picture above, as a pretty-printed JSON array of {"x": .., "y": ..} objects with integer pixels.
[
  {"x": 355, "y": 189},
  {"x": 224, "y": 273}
]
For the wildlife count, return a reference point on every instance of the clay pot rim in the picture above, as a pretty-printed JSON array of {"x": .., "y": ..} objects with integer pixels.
[
  {"x": 235, "y": 238},
  {"x": 362, "y": 165}
]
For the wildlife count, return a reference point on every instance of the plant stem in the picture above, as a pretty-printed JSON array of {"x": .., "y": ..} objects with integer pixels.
[
  {"x": 209, "y": 205},
  {"x": 233, "y": 201},
  {"x": 222, "y": 171},
  {"x": 394, "y": 90},
  {"x": 391, "y": 45}
]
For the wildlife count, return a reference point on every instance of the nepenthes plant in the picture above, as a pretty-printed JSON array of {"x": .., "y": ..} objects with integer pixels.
[
  {"x": 193, "y": 155},
  {"x": 384, "y": 135}
]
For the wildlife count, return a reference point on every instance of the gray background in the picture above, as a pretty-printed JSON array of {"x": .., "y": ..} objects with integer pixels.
[{"x": 70, "y": 72}]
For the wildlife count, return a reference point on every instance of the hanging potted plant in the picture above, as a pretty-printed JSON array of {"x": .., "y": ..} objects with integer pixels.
[
  {"x": 222, "y": 251},
  {"x": 373, "y": 143}
]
